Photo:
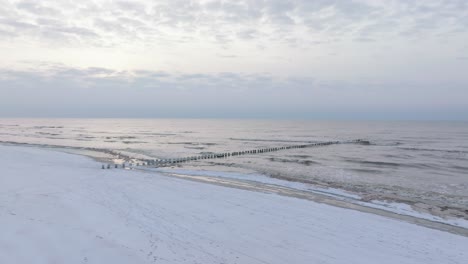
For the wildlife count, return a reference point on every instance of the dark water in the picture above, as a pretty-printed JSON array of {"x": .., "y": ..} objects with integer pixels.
[{"x": 417, "y": 161}]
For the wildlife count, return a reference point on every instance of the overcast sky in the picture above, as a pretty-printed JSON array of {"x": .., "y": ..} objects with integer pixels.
[{"x": 362, "y": 59}]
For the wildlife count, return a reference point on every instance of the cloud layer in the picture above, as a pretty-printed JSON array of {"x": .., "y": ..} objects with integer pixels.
[
  {"x": 246, "y": 57},
  {"x": 60, "y": 91},
  {"x": 296, "y": 22}
]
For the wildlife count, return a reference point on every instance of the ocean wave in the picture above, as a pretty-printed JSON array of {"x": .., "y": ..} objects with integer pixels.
[
  {"x": 302, "y": 162},
  {"x": 271, "y": 140},
  {"x": 42, "y": 127},
  {"x": 361, "y": 170},
  {"x": 47, "y": 134},
  {"x": 134, "y": 142},
  {"x": 374, "y": 163},
  {"x": 155, "y": 134},
  {"x": 192, "y": 143},
  {"x": 434, "y": 150}
]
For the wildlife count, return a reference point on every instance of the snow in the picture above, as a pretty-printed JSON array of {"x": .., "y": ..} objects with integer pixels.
[
  {"x": 405, "y": 209},
  {"x": 61, "y": 208},
  {"x": 395, "y": 207}
]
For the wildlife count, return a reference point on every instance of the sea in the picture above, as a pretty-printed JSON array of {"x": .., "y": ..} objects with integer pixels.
[{"x": 413, "y": 162}]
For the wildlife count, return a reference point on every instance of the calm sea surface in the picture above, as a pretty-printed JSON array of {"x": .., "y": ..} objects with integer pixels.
[{"x": 417, "y": 161}]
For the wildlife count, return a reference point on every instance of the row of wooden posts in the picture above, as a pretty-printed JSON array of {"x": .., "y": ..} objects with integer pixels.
[{"x": 168, "y": 162}]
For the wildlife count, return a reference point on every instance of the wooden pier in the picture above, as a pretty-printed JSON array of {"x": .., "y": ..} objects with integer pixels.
[{"x": 173, "y": 161}]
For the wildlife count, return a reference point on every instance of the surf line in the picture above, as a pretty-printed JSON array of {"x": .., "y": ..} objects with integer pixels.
[{"x": 168, "y": 162}]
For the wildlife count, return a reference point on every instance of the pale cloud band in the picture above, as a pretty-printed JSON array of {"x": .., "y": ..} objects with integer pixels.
[{"x": 60, "y": 91}]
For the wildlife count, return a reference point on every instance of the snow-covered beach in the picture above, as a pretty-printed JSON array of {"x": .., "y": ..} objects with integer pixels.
[{"x": 61, "y": 208}]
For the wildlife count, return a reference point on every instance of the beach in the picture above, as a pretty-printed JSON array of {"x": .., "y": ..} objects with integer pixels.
[
  {"x": 57, "y": 207},
  {"x": 415, "y": 168}
]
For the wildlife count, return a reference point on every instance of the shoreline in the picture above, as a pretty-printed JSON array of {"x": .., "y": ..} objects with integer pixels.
[
  {"x": 345, "y": 199},
  {"x": 326, "y": 199}
]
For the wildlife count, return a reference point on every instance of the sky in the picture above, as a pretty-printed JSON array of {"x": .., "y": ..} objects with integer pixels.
[{"x": 318, "y": 59}]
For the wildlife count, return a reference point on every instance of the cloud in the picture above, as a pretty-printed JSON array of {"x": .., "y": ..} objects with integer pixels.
[
  {"x": 299, "y": 54},
  {"x": 248, "y": 34},
  {"x": 17, "y": 25},
  {"x": 79, "y": 31},
  {"x": 231, "y": 21},
  {"x": 35, "y": 7},
  {"x": 59, "y": 85},
  {"x": 87, "y": 91},
  {"x": 4, "y": 34}
]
